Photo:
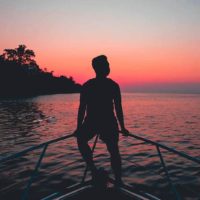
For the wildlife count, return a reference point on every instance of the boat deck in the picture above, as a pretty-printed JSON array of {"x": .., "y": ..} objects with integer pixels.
[
  {"x": 92, "y": 194},
  {"x": 87, "y": 191}
]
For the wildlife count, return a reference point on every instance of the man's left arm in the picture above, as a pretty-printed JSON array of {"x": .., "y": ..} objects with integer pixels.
[{"x": 119, "y": 110}]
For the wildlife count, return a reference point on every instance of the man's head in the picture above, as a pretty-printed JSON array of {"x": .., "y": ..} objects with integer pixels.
[{"x": 101, "y": 66}]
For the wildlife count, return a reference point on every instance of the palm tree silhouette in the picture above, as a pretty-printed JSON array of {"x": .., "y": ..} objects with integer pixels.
[{"x": 21, "y": 55}]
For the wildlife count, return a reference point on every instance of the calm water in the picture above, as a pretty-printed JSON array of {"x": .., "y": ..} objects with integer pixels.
[{"x": 173, "y": 119}]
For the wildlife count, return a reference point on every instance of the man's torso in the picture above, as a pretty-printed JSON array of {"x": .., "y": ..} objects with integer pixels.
[{"x": 99, "y": 97}]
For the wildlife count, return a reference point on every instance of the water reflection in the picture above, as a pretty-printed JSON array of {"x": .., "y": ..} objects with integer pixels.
[
  {"x": 170, "y": 119},
  {"x": 18, "y": 120}
]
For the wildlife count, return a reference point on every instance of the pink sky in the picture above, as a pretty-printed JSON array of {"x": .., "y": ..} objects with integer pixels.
[{"x": 145, "y": 41}]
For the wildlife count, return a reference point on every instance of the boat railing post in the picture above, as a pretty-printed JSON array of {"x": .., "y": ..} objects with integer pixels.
[
  {"x": 167, "y": 174},
  {"x": 26, "y": 190},
  {"x": 86, "y": 169}
]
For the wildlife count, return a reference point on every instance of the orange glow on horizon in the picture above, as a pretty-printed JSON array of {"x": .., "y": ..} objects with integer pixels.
[{"x": 128, "y": 65}]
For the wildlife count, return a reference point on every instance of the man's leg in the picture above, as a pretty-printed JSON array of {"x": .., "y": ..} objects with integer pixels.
[
  {"x": 86, "y": 153},
  {"x": 113, "y": 149}
]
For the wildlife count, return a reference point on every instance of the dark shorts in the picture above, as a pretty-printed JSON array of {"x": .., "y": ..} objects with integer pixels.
[{"x": 107, "y": 130}]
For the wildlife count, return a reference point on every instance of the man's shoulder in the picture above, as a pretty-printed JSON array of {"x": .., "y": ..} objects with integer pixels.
[
  {"x": 88, "y": 82},
  {"x": 112, "y": 82},
  {"x": 93, "y": 81}
]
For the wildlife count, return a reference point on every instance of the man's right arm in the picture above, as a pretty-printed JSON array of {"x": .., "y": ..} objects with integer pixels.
[{"x": 81, "y": 111}]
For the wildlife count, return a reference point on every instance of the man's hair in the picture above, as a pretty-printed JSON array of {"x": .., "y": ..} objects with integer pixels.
[{"x": 100, "y": 65}]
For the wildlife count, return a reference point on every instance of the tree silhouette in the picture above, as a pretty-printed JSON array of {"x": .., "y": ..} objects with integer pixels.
[
  {"x": 20, "y": 75},
  {"x": 21, "y": 55}
]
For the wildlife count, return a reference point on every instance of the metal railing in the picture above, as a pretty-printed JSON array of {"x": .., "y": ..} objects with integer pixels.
[
  {"x": 42, "y": 146},
  {"x": 160, "y": 146},
  {"x": 45, "y": 145}
]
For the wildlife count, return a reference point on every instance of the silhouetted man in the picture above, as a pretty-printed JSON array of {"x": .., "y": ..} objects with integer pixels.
[{"x": 99, "y": 97}]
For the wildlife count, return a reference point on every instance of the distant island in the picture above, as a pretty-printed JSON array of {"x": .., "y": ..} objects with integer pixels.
[{"x": 20, "y": 75}]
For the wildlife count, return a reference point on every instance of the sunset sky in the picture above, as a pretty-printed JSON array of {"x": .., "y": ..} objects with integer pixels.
[{"x": 147, "y": 42}]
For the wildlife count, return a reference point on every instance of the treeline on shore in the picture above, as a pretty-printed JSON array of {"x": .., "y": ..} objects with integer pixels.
[{"x": 20, "y": 75}]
